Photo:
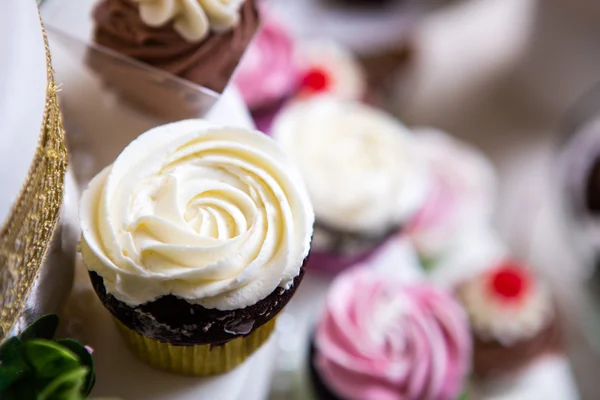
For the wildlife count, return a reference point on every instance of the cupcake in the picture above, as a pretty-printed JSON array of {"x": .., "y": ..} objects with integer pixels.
[
  {"x": 460, "y": 199},
  {"x": 380, "y": 339},
  {"x": 327, "y": 67},
  {"x": 513, "y": 318},
  {"x": 269, "y": 73},
  {"x": 295, "y": 73},
  {"x": 195, "y": 239},
  {"x": 363, "y": 173},
  {"x": 197, "y": 44}
]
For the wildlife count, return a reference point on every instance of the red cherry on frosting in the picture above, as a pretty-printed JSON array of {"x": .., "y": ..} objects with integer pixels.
[
  {"x": 510, "y": 281},
  {"x": 316, "y": 80}
]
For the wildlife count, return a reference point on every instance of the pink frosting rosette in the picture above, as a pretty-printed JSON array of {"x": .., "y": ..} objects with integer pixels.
[
  {"x": 461, "y": 199},
  {"x": 268, "y": 72},
  {"x": 383, "y": 339}
]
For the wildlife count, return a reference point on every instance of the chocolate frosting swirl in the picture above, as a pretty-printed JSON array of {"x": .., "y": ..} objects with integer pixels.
[{"x": 210, "y": 63}]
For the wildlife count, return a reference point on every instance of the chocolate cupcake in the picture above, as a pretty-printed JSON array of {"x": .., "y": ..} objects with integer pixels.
[
  {"x": 380, "y": 338},
  {"x": 513, "y": 319},
  {"x": 195, "y": 238},
  {"x": 197, "y": 44},
  {"x": 363, "y": 172}
]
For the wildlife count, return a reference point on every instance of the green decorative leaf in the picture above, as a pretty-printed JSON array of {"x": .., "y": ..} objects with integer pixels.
[
  {"x": 86, "y": 360},
  {"x": 49, "y": 359},
  {"x": 42, "y": 328},
  {"x": 24, "y": 389},
  {"x": 12, "y": 365},
  {"x": 66, "y": 386},
  {"x": 10, "y": 350}
]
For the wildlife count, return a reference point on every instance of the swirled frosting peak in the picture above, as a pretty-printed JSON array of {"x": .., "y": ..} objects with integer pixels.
[
  {"x": 216, "y": 216},
  {"x": 193, "y": 19},
  {"x": 381, "y": 339}
]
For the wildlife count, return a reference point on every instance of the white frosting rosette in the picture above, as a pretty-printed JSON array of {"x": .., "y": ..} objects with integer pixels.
[
  {"x": 216, "y": 216},
  {"x": 461, "y": 197},
  {"x": 193, "y": 19},
  {"x": 362, "y": 168}
]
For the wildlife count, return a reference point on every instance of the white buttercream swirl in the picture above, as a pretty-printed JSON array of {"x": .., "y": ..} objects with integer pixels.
[
  {"x": 217, "y": 216},
  {"x": 362, "y": 167},
  {"x": 193, "y": 19}
]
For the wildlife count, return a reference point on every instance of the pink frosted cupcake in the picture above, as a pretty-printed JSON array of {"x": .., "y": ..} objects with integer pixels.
[
  {"x": 513, "y": 318},
  {"x": 269, "y": 73},
  {"x": 381, "y": 339},
  {"x": 460, "y": 200},
  {"x": 363, "y": 172}
]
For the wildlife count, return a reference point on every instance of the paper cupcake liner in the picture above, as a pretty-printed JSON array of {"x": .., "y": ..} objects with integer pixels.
[{"x": 199, "y": 360}]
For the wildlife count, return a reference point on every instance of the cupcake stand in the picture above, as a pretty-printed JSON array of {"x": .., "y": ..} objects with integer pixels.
[
  {"x": 436, "y": 82},
  {"x": 99, "y": 126}
]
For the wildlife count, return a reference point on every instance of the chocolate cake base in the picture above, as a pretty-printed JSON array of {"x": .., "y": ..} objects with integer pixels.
[
  {"x": 174, "y": 320},
  {"x": 491, "y": 358},
  {"x": 321, "y": 390}
]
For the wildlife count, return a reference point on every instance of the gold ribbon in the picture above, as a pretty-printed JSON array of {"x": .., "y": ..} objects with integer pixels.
[{"x": 26, "y": 233}]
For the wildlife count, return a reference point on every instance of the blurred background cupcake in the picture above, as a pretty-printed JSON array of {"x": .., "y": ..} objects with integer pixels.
[
  {"x": 380, "y": 338},
  {"x": 513, "y": 319},
  {"x": 198, "y": 43},
  {"x": 461, "y": 198},
  {"x": 297, "y": 70},
  {"x": 329, "y": 68},
  {"x": 269, "y": 73},
  {"x": 363, "y": 172},
  {"x": 196, "y": 261}
]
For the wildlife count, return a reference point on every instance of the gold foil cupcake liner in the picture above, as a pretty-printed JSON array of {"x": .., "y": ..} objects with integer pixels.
[{"x": 199, "y": 360}]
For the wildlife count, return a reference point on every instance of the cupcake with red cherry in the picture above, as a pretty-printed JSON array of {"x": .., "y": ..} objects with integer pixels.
[
  {"x": 276, "y": 70},
  {"x": 327, "y": 67},
  {"x": 513, "y": 318},
  {"x": 381, "y": 338}
]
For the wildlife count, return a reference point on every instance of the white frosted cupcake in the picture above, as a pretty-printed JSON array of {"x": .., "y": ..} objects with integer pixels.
[
  {"x": 461, "y": 197},
  {"x": 195, "y": 238},
  {"x": 363, "y": 172},
  {"x": 327, "y": 67},
  {"x": 513, "y": 318}
]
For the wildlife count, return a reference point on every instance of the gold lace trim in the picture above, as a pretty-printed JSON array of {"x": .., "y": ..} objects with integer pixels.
[{"x": 26, "y": 233}]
